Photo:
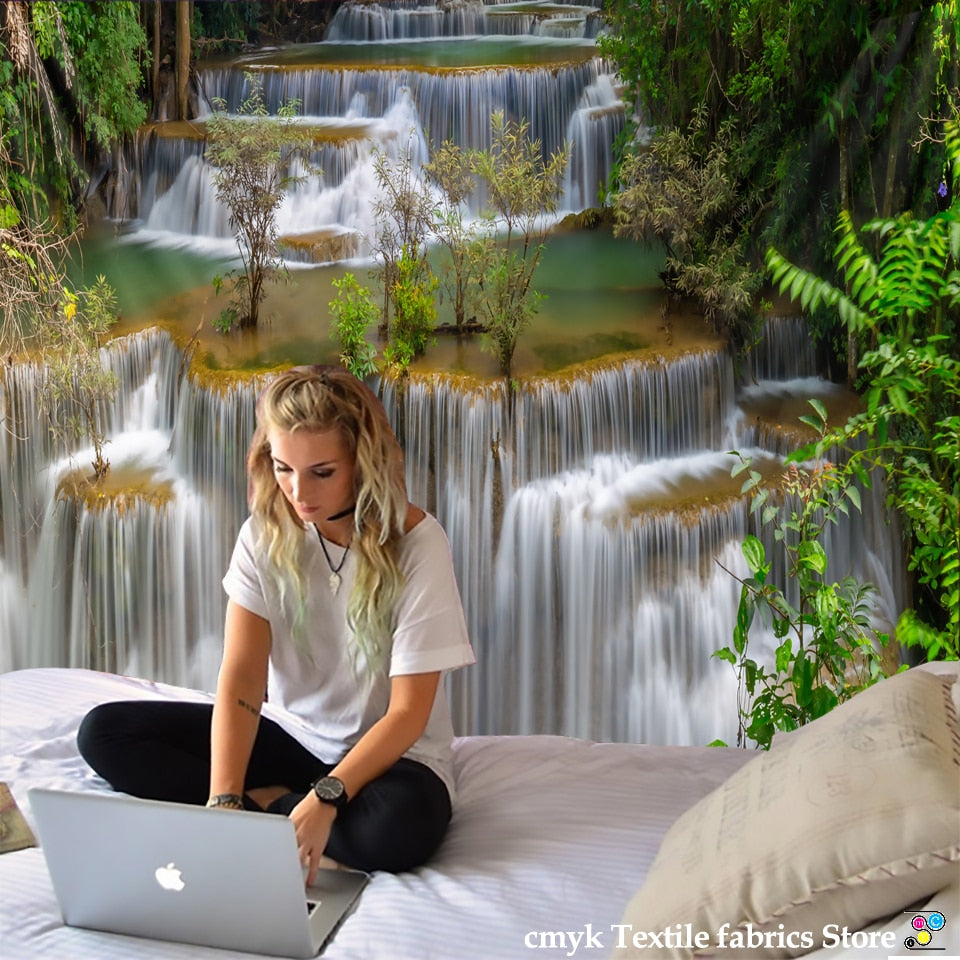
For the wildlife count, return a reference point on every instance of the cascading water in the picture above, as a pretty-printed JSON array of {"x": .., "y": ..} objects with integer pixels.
[
  {"x": 363, "y": 92},
  {"x": 587, "y": 572},
  {"x": 406, "y": 21},
  {"x": 585, "y": 511}
]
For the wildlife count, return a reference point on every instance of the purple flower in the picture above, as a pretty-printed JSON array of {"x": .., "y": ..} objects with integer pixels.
[{"x": 942, "y": 189}]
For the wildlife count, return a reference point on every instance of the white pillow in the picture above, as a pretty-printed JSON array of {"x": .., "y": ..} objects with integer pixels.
[{"x": 854, "y": 817}]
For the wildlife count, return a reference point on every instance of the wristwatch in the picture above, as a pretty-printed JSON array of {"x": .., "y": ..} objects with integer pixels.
[{"x": 331, "y": 790}]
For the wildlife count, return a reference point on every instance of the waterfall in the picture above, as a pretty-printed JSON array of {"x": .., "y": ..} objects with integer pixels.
[
  {"x": 567, "y": 96},
  {"x": 368, "y": 22},
  {"x": 107, "y": 581},
  {"x": 784, "y": 351},
  {"x": 597, "y": 122},
  {"x": 452, "y": 105},
  {"x": 585, "y": 517},
  {"x": 373, "y": 22},
  {"x": 587, "y": 511},
  {"x": 624, "y": 618}
]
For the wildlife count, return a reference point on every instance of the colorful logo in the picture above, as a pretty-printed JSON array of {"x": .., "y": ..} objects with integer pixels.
[{"x": 925, "y": 924}]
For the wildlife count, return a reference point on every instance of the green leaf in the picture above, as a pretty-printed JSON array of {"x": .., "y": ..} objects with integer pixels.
[
  {"x": 783, "y": 656},
  {"x": 9, "y": 217},
  {"x": 820, "y": 408},
  {"x": 804, "y": 673},
  {"x": 822, "y": 700},
  {"x": 742, "y": 627},
  {"x": 812, "y": 555},
  {"x": 754, "y": 554}
]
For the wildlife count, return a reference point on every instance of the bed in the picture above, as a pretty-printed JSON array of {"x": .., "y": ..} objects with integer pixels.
[{"x": 554, "y": 845}]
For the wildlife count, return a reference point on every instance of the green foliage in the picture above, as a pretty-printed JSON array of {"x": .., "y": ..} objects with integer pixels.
[
  {"x": 41, "y": 174},
  {"x": 451, "y": 169},
  {"x": 225, "y": 26},
  {"x": 827, "y": 650},
  {"x": 102, "y": 50},
  {"x": 520, "y": 185},
  {"x": 830, "y": 103},
  {"x": 492, "y": 262},
  {"x": 685, "y": 192},
  {"x": 415, "y": 311},
  {"x": 403, "y": 210},
  {"x": 353, "y": 313},
  {"x": 60, "y": 327},
  {"x": 906, "y": 303},
  {"x": 253, "y": 153},
  {"x": 32, "y": 260},
  {"x": 75, "y": 383}
]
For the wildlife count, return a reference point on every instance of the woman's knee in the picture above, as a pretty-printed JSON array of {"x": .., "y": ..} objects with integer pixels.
[
  {"x": 99, "y": 731},
  {"x": 398, "y": 823}
]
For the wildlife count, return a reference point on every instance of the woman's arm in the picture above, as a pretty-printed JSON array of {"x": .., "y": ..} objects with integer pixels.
[
  {"x": 411, "y": 700},
  {"x": 240, "y": 689}
]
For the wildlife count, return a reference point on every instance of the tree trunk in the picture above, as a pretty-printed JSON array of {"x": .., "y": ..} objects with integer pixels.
[
  {"x": 893, "y": 153},
  {"x": 183, "y": 58},
  {"x": 845, "y": 204},
  {"x": 155, "y": 75}
]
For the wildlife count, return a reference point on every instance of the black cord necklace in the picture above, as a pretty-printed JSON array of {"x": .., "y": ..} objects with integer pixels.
[{"x": 335, "y": 579}]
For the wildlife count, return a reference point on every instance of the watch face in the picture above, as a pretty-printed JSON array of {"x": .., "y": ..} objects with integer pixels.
[{"x": 328, "y": 788}]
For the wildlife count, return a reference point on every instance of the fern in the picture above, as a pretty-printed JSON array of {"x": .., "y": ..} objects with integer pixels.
[{"x": 906, "y": 300}]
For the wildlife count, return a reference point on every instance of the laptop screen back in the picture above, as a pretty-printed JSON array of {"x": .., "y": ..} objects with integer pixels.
[{"x": 229, "y": 879}]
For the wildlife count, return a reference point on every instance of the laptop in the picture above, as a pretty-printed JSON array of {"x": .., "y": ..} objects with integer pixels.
[{"x": 170, "y": 871}]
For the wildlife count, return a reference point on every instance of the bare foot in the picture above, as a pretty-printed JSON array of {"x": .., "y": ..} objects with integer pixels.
[{"x": 264, "y": 796}]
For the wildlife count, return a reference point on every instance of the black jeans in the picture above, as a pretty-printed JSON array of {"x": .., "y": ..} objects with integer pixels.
[{"x": 161, "y": 750}]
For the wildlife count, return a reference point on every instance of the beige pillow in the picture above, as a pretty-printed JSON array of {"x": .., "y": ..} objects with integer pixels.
[{"x": 852, "y": 818}]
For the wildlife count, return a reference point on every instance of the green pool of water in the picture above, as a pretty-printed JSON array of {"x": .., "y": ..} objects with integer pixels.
[
  {"x": 602, "y": 297},
  {"x": 439, "y": 54}
]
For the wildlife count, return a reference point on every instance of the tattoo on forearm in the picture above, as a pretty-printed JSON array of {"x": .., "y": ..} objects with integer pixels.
[{"x": 249, "y": 706}]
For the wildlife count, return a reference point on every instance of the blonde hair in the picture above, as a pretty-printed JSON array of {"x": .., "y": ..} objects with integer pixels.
[{"x": 316, "y": 399}]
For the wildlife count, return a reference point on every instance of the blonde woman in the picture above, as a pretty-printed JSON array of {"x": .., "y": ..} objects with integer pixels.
[{"x": 344, "y": 608}]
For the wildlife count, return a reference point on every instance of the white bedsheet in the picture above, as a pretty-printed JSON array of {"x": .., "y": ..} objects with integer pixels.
[{"x": 548, "y": 834}]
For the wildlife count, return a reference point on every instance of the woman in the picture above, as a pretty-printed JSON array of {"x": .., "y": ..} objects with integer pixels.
[{"x": 343, "y": 606}]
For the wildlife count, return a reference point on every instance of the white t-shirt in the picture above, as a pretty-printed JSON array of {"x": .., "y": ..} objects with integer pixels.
[{"x": 323, "y": 680}]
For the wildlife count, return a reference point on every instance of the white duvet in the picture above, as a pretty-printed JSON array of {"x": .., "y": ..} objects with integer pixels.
[{"x": 549, "y": 840}]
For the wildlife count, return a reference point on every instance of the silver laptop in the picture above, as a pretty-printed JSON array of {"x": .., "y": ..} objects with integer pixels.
[{"x": 218, "y": 878}]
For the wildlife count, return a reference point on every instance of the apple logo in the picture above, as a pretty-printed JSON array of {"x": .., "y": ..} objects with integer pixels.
[{"x": 169, "y": 878}]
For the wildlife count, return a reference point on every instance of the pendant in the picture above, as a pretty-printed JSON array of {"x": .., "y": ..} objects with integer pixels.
[{"x": 334, "y": 582}]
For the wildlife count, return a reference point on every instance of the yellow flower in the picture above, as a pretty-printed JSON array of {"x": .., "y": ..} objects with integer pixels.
[{"x": 70, "y": 310}]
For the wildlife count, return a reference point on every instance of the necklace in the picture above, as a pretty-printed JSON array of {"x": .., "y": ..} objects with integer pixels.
[{"x": 334, "y": 570}]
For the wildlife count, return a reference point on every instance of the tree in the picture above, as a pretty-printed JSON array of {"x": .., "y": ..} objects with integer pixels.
[
  {"x": 451, "y": 170},
  {"x": 352, "y": 314},
  {"x": 906, "y": 303},
  {"x": 183, "y": 58},
  {"x": 75, "y": 381},
  {"x": 684, "y": 192},
  {"x": 827, "y": 648},
  {"x": 253, "y": 153},
  {"x": 403, "y": 210},
  {"x": 44, "y": 318},
  {"x": 42, "y": 174},
  {"x": 95, "y": 54},
  {"x": 520, "y": 186},
  {"x": 70, "y": 79},
  {"x": 415, "y": 313},
  {"x": 827, "y": 99},
  {"x": 70, "y": 73}
]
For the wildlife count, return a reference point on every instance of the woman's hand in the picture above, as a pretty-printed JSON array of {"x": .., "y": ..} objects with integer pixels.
[{"x": 312, "y": 820}]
